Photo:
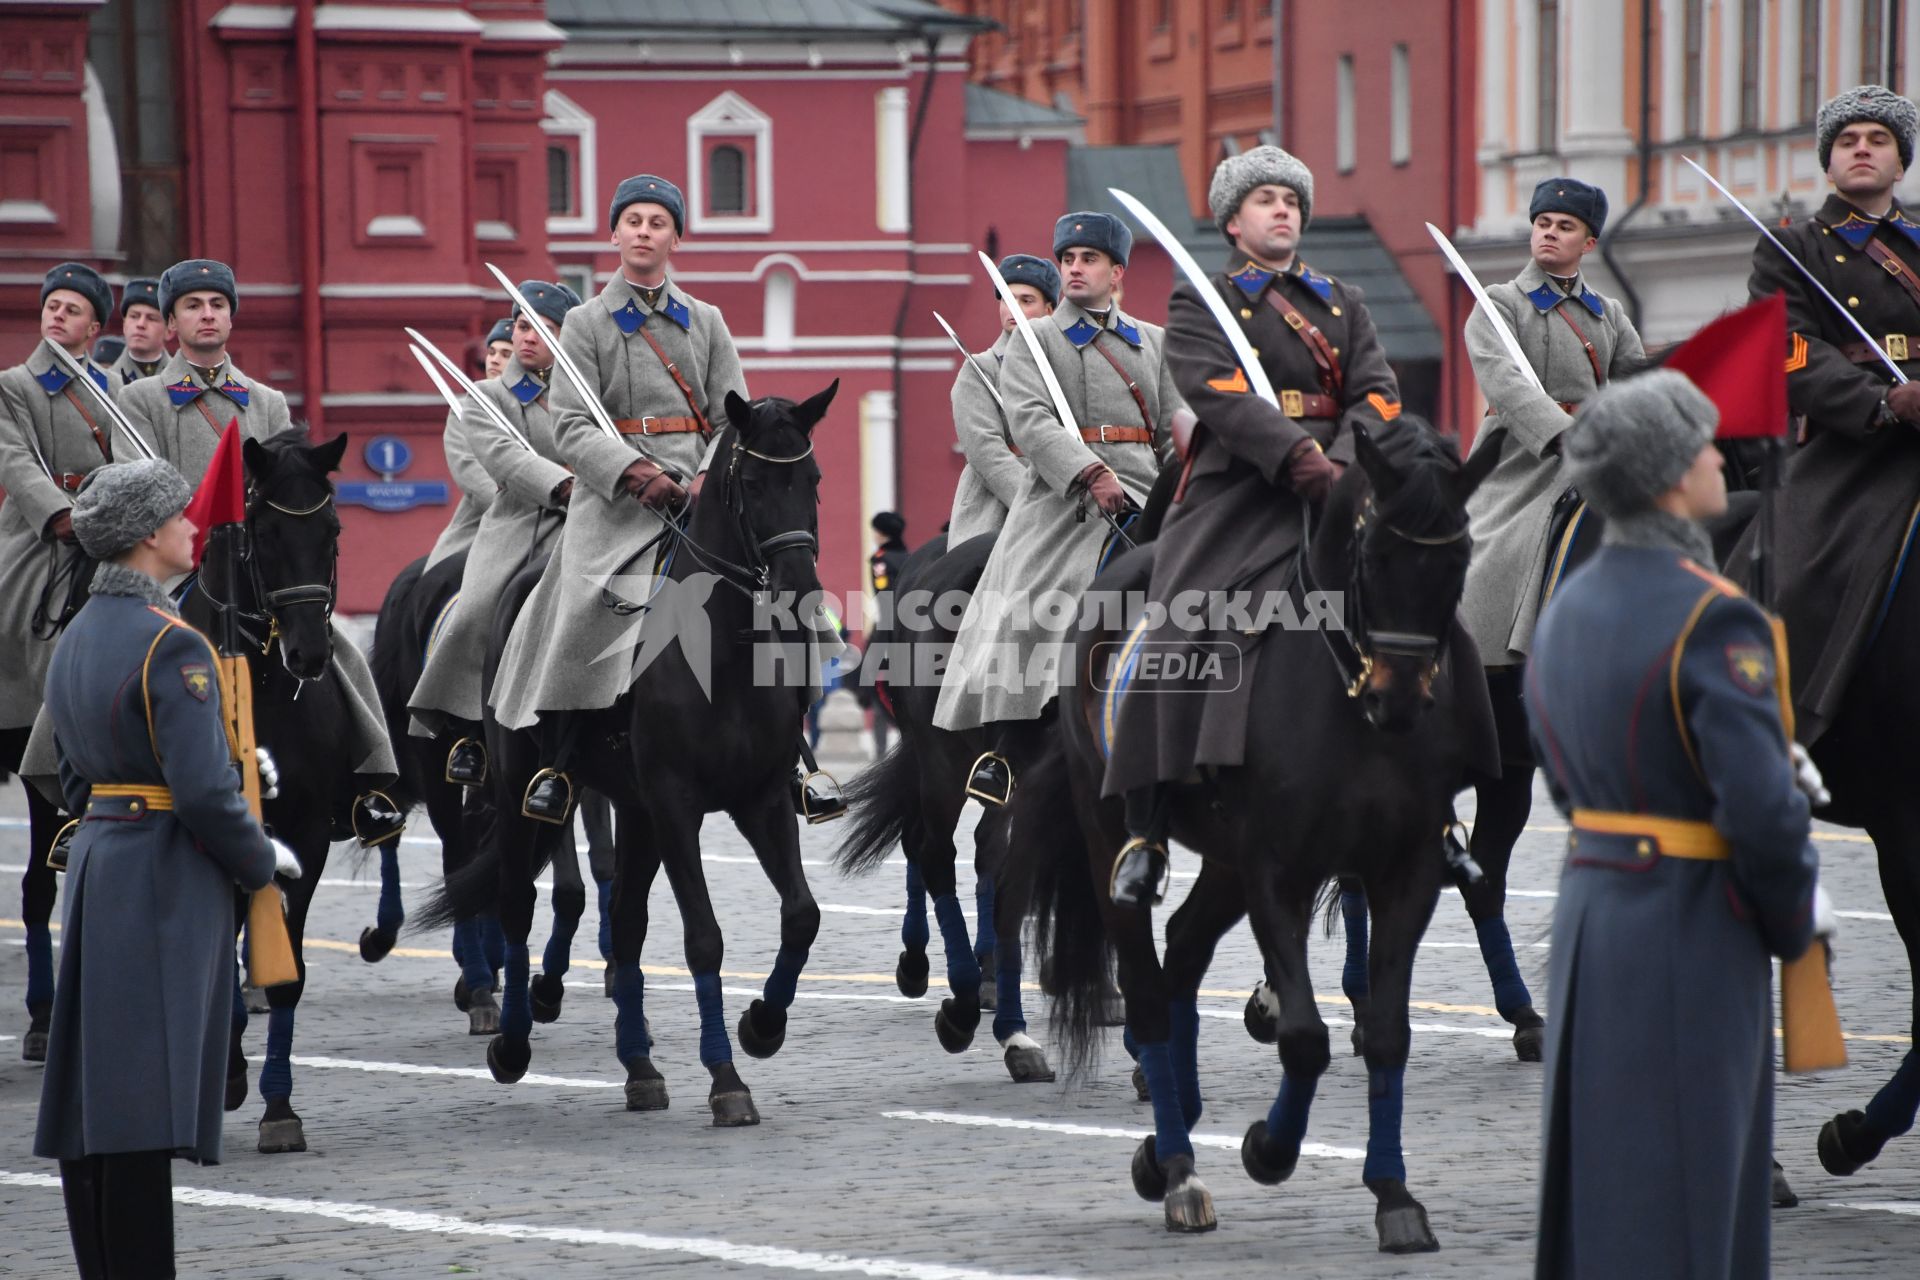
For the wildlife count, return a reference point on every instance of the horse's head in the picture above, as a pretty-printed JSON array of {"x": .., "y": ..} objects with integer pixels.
[
  {"x": 294, "y": 545},
  {"x": 1407, "y": 562},
  {"x": 769, "y": 484}
]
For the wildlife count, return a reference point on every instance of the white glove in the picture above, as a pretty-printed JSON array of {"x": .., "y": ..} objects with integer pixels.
[
  {"x": 1825, "y": 923},
  {"x": 269, "y": 773},
  {"x": 1806, "y": 776},
  {"x": 285, "y": 863}
]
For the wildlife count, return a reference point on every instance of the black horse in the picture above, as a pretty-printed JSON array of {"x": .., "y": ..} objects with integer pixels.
[
  {"x": 671, "y": 752},
  {"x": 1357, "y": 742}
]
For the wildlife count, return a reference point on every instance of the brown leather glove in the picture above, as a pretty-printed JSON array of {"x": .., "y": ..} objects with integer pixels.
[
  {"x": 1310, "y": 472},
  {"x": 1904, "y": 400},
  {"x": 693, "y": 490},
  {"x": 654, "y": 487},
  {"x": 563, "y": 492},
  {"x": 61, "y": 526},
  {"x": 1103, "y": 487}
]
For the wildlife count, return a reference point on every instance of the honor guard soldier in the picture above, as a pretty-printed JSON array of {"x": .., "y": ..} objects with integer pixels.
[
  {"x": 499, "y": 346},
  {"x": 1655, "y": 692},
  {"x": 518, "y": 529},
  {"x": 144, "y": 330},
  {"x": 1576, "y": 342},
  {"x": 136, "y": 1065},
  {"x": 995, "y": 473},
  {"x": 477, "y": 488},
  {"x": 662, "y": 363},
  {"x": 1236, "y": 524},
  {"x": 182, "y": 412},
  {"x": 1005, "y": 672},
  {"x": 883, "y": 575}
]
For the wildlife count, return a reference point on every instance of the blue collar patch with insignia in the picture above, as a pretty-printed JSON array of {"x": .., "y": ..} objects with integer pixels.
[
  {"x": 54, "y": 380},
  {"x": 1314, "y": 281},
  {"x": 1855, "y": 229},
  {"x": 1547, "y": 297},
  {"x": 1081, "y": 332},
  {"x": 1129, "y": 332},
  {"x": 630, "y": 318},
  {"x": 676, "y": 310},
  {"x": 234, "y": 392},
  {"x": 184, "y": 392},
  {"x": 527, "y": 390},
  {"x": 1907, "y": 226},
  {"x": 1251, "y": 280}
]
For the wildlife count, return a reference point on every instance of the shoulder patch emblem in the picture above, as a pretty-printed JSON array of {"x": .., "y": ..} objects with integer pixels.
[
  {"x": 1387, "y": 409},
  {"x": 1751, "y": 666},
  {"x": 1237, "y": 384},
  {"x": 1797, "y": 355},
  {"x": 198, "y": 679}
]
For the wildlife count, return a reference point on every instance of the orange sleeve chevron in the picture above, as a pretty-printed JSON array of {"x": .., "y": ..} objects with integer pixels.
[
  {"x": 1387, "y": 409},
  {"x": 1236, "y": 384},
  {"x": 1797, "y": 356}
]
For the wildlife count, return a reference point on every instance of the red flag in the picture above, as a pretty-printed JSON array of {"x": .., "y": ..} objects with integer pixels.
[
  {"x": 1739, "y": 360},
  {"x": 222, "y": 495}
]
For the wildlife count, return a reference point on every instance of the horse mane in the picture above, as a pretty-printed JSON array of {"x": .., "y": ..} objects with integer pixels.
[{"x": 1426, "y": 500}]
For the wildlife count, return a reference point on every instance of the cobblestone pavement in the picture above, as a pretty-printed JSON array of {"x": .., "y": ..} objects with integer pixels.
[{"x": 880, "y": 1154}]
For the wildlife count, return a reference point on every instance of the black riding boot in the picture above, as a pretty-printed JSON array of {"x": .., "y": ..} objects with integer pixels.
[
  {"x": 991, "y": 781},
  {"x": 816, "y": 796},
  {"x": 1140, "y": 870},
  {"x": 549, "y": 795},
  {"x": 467, "y": 763},
  {"x": 376, "y": 818}
]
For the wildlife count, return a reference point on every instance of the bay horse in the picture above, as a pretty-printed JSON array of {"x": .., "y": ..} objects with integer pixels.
[
  {"x": 1358, "y": 737},
  {"x": 710, "y": 724}
]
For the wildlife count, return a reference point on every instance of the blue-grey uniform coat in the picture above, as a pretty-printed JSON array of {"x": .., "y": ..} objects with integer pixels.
[
  {"x": 1652, "y": 689},
  {"x": 138, "y": 1055},
  {"x": 995, "y": 474},
  {"x": 477, "y": 488}
]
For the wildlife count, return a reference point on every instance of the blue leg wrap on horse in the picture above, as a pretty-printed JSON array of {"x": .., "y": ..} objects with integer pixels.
[
  {"x": 494, "y": 938},
  {"x": 785, "y": 976},
  {"x": 1008, "y": 1014},
  {"x": 985, "y": 937},
  {"x": 473, "y": 956},
  {"x": 1384, "y": 1159},
  {"x": 1128, "y": 1043},
  {"x": 276, "y": 1077},
  {"x": 1184, "y": 1018},
  {"x": 606, "y": 918},
  {"x": 715, "y": 1046},
  {"x": 516, "y": 1011},
  {"x": 39, "y": 967},
  {"x": 1353, "y": 910},
  {"x": 558, "y": 957},
  {"x": 963, "y": 968},
  {"x": 1287, "y": 1121},
  {"x": 913, "y": 927},
  {"x": 1510, "y": 994},
  {"x": 630, "y": 1038},
  {"x": 1890, "y": 1114},
  {"x": 1169, "y": 1126},
  {"x": 462, "y": 930},
  {"x": 390, "y": 915}
]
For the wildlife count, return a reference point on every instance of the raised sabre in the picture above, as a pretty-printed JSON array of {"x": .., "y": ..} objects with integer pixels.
[
  {"x": 590, "y": 394},
  {"x": 421, "y": 349},
  {"x": 65, "y": 360},
  {"x": 1801, "y": 267},
  {"x": 967, "y": 355},
  {"x": 1479, "y": 291}
]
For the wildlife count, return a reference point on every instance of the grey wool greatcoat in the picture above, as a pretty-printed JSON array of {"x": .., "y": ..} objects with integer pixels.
[
  {"x": 1652, "y": 695},
  {"x": 568, "y": 651},
  {"x": 126, "y": 369},
  {"x": 991, "y": 481},
  {"x": 36, "y": 414},
  {"x": 137, "y": 1059},
  {"x": 1006, "y": 658},
  {"x": 1851, "y": 489},
  {"x": 1513, "y": 506},
  {"x": 518, "y": 529},
  {"x": 475, "y": 485}
]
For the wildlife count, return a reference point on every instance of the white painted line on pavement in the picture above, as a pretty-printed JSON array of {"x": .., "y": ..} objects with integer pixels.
[
  {"x": 1876, "y": 1206},
  {"x": 1225, "y": 1142},
  {"x": 415, "y": 1069},
  {"x": 414, "y": 1221}
]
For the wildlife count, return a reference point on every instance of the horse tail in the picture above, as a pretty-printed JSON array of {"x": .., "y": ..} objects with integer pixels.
[
  {"x": 884, "y": 802},
  {"x": 1047, "y": 857},
  {"x": 466, "y": 893}
]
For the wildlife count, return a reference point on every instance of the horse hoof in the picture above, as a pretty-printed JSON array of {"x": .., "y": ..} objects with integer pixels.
[
  {"x": 1112, "y": 1011},
  {"x": 989, "y": 993},
  {"x": 375, "y": 943},
  {"x": 255, "y": 998},
  {"x": 1263, "y": 1164},
  {"x": 1845, "y": 1145},
  {"x": 1140, "y": 1085},
  {"x": 33, "y": 1047},
  {"x": 1189, "y": 1208},
  {"x": 462, "y": 998},
  {"x": 1529, "y": 1034},
  {"x": 507, "y": 1058},
  {"x": 910, "y": 975},
  {"x": 1400, "y": 1220},
  {"x": 545, "y": 993},
  {"x": 1359, "y": 1041},
  {"x": 955, "y": 1034},
  {"x": 1783, "y": 1196},
  {"x": 733, "y": 1109},
  {"x": 646, "y": 1088},
  {"x": 483, "y": 1015},
  {"x": 763, "y": 1029},
  {"x": 1149, "y": 1180},
  {"x": 236, "y": 1091},
  {"x": 1027, "y": 1064},
  {"x": 1260, "y": 1025},
  {"x": 277, "y": 1137}
]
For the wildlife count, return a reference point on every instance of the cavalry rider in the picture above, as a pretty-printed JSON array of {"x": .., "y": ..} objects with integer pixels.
[
  {"x": 995, "y": 473},
  {"x": 143, "y": 329},
  {"x": 182, "y": 412},
  {"x": 1576, "y": 341},
  {"x": 1656, "y": 708},
  {"x": 136, "y": 1066},
  {"x": 52, "y": 433},
  {"x": 518, "y": 529},
  {"x": 1005, "y": 665},
  {"x": 500, "y": 344},
  {"x": 477, "y": 488},
  {"x": 1237, "y": 523},
  {"x": 662, "y": 363}
]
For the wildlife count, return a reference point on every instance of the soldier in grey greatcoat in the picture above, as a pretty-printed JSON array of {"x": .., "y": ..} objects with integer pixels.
[
  {"x": 532, "y": 492},
  {"x": 1689, "y": 863},
  {"x": 477, "y": 488},
  {"x": 143, "y": 329},
  {"x": 661, "y": 363},
  {"x": 1005, "y": 667},
  {"x": 995, "y": 473},
  {"x": 137, "y": 1060}
]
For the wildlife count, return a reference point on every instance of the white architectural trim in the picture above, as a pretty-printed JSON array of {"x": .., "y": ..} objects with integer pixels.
[
  {"x": 253, "y": 17},
  {"x": 103, "y": 170},
  {"x": 730, "y": 116},
  {"x": 892, "y": 180},
  {"x": 778, "y": 309},
  {"x": 533, "y": 30},
  {"x": 566, "y": 118},
  {"x": 416, "y": 19},
  {"x": 427, "y": 289}
]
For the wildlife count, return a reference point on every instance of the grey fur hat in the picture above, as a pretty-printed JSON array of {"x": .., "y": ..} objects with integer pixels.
[
  {"x": 1024, "y": 268},
  {"x": 140, "y": 292},
  {"x": 502, "y": 330},
  {"x": 649, "y": 188},
  {"x": 1868, "y": 102},
  {"x": 78, "y": 277},
  {"x": 123, "y": 502},
  {"x": 1236, "y": 177},
  {"x": 549, "y": 301},
  {"x": 197, "y": 275},
  {"x": 1088, "y": 229},
  {"x": 1633, "y": 439}
]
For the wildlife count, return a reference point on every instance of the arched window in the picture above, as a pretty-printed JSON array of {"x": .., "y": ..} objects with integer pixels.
[
  {"x": 777, "y": 322},
  {"x": 727, "y": 179}
]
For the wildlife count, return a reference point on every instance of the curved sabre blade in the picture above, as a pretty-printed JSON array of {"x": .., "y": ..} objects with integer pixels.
[
  {"x": 65, "y": 360},
  {"x": 492, "y": 411},
  {"x": 1479, "y": 291},
  {"x": 971, "y": 362},
  {"x": 588, "y": 392}
]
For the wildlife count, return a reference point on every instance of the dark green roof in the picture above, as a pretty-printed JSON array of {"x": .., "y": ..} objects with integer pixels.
[
  {"x": 757, "y": 19},
  {"x": 993, "y": 109}
]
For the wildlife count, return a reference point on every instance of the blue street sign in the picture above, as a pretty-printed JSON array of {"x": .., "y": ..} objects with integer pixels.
[
  {"x": 391, "y": 495},
  {"x": 389, "y": 455}
]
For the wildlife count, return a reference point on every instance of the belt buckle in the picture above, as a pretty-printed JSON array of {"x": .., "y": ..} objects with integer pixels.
[
  {"x": 1102, "y": 429},
  {"x": 1293, "y": 404},
  {"x": 1897, "y": 345},
  {"x": 645, "y": 418}
]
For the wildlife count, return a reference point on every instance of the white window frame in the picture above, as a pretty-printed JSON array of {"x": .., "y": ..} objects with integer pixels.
[
  {"x": 779, "y": 307},
  {"x": 1344, "y": 150},
  {"x": 1400, "y": 147},
  {"x": 893, "y": 194},
  {"x": 730, "y": 116},
  {"x": 566, "y": 118}
]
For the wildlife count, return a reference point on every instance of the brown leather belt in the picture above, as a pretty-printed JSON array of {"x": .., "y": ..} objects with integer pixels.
[
  {"x": 1116, "y": 435},
  {"x": 1014, "y": 449},
  {"x": 70, "y": 481},
  {"x": 652, "y": 426},
  {"x": 1308, "y": 404},
  {"x": 1899, "y": 346}
]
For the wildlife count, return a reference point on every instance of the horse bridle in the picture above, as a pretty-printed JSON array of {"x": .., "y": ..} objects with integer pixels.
[
  {"x": 270, "y": 602},
  {"x": 1358, "y": 645}
]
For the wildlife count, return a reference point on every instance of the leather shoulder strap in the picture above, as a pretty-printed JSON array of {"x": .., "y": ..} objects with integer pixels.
[
  {"x": 1133, "y": 388},
  {"x": 106, "y": 451},
  {"x": 679, "y": 380},
  {"x": 1586, "y": 345},
  {"x": 1317, "y": 345},
  {"x": 1890, "y": 263}
]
